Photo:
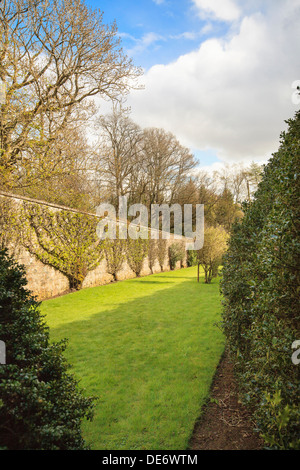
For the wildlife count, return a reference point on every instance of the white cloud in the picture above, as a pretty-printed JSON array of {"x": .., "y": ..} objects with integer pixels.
[
  {"x": 189, "y": 35},
  {"x": 226, "y": 10},
  {"x": 232, "y": 94},
  {"x": 143, "y": 43}
]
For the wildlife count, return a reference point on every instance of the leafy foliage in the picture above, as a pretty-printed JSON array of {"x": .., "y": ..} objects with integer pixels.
[
  {"x": 152, "y": 253},
  {"x": 192, "y": 258},
  {"x": 9, "y": 233},
  {"x": 115, "y": 253},
  {"x": 161, "y": 251},
  {"x": 136, "y": 252},
  {"x": 261, "y": 295},
  {"x": 176, "y": 253},
  {"x": 64, "y": 240},
  {"x": 210, "y": 255},
  {"x": 41, "y": 406}
]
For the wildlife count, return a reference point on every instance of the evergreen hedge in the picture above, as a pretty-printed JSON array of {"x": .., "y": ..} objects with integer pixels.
[
  {"x": 261, "y": 295},
  {"x": 41, "y": 406}
]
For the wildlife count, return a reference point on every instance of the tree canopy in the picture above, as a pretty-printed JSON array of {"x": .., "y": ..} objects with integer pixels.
[{"x": 55, "y": 56}]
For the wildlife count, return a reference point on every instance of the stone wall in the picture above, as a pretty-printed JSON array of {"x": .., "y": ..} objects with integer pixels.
[{"x": 46, "y": 282}]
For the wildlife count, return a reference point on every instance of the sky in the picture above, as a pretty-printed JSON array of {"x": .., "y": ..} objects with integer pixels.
[{"x": 219, "y": 74}]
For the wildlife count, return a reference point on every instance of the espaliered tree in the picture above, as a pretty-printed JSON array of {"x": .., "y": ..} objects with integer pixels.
[
  {"x": 152, "y": 253},
  {"x": 115, "y": 253},
  {"x": 41, "y": 406},
  {"x": 161, "y": 251},
  {"x": 176, "y": 253},
  {"x": 136, "y": 252},
  {"x": 9, "y": 223},
  {"x": 260, "y": 286},
  {"x": 65, "y": 240}
]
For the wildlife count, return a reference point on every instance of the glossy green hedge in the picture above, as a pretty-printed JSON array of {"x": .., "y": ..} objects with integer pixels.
[
  {"x": 41, "y": 406},
  {"x": 261, "y": 295}
]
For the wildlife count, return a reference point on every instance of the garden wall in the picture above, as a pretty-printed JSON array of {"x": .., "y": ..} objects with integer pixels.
[{"x": 46, "y": 282}]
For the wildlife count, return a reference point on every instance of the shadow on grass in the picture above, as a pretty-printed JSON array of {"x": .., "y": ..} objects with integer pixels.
[
  {"x": 178, "y": 277},
  {"x": 146, "y": 281},
  {"x": 150, "y": 360}
]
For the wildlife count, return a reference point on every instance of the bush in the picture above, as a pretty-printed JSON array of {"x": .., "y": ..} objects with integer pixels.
[
  {"x": 176, "y": 253},
  {"x": 161, "y": 251},
  {"x": 192, "y": 258},
  {"x": 214, "y": 247},
  {"x": 41, "y": 407},
  {"x": 261, "y": 296},
  {"x": 63, "y": 239},
  {"x": 115, "y": 255},
  {"x": 137, "y": 250}
]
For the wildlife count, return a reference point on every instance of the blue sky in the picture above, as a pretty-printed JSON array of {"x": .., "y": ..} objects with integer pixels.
[
  {"x": 217, "y": 73},
  {"x": 157, "y": 32}
]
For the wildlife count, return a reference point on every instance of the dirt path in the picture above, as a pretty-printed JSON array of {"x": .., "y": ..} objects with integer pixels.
[{"x": 225, "y": 424}]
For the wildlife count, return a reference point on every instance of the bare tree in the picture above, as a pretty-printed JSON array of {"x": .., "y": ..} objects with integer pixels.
[
  {"x": 168, "y": 165},
  {"x": 55, "y": 56},
  {"x": 240, "y": 180},
  {"x": 120, "y": 152},
  {"x": 253, "y": 176}
]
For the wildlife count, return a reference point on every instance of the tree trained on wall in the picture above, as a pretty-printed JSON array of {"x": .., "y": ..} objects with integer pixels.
[
  {"x": 115, "y": 253},
  {"x": 176, "y": 253},
  {"x": 152, "y": 253},
  {"x": 41, "y": 405},
  {"x": 161, "y": 251},
  {"x": 63, "y": 239},
  {"x": 136, "y": 250}
]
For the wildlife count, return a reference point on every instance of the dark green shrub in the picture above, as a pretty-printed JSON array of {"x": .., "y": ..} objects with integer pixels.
[
  {"x": 41, "y": 406},
  {"x": 261, "y": 296},
  {"x": 192, "y": 259}
]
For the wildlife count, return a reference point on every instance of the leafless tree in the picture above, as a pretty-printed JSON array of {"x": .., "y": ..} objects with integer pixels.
[
  {"x": 240, "y": 180},
  {"x": 120, "y": 152},
  {"x": 168, "y": 165},
  {"x": 253, "y": 176}
]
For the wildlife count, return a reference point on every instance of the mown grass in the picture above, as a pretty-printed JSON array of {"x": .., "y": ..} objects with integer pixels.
[{"x": 148, "y": 348}]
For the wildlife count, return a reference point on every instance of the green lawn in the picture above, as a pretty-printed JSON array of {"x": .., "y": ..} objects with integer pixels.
[{"x": 148, "y": 348}]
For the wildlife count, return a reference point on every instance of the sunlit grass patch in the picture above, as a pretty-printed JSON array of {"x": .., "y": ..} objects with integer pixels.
[{"x": 148, "y": 348}]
